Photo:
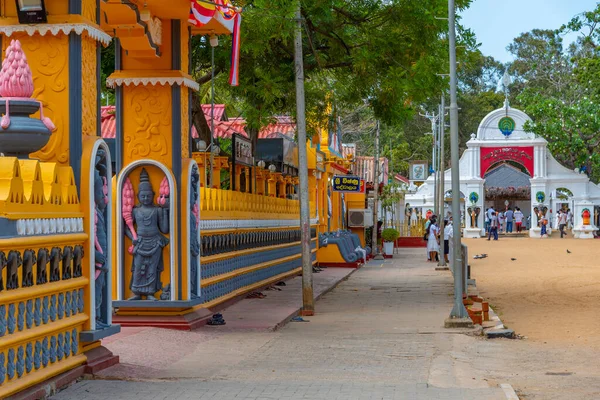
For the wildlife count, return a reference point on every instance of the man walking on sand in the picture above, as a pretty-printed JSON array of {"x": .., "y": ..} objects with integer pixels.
[
  {"x": 562, "y": 222},
  {"x": 518, "y": 215},
  {"x": 509, "y": 215},
  {"x": 490, "y": 211},
  {"x": 493, "y": 227}
]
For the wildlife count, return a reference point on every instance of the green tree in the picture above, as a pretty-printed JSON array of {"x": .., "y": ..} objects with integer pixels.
[
  {"x": 384, "y": 54},
  {"x": 559, "y": 90}
]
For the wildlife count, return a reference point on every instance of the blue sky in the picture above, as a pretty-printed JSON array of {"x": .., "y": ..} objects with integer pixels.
[{"x": 497, "y": 22}]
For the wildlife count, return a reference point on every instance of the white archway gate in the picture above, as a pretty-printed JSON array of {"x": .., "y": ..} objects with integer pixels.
[{"x": 501, "y": 138}]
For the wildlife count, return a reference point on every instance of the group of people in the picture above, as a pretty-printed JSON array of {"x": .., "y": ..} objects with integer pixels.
[
  {"x": 564, "y": 218},
  {"x": 433, "y": 236},
  {"x": 502, "y": 221}
]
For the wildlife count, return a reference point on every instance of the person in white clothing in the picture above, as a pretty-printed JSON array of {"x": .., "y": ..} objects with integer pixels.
[
  {"x": 518, "y": 215},
  {"x": 433, "y": 246},
  {"x": 448, "y": 235},
  {"x": 500, "y": 221}
]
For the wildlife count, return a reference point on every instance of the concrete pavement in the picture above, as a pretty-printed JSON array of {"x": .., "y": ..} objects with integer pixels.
[{"x": 378, "y": 335}]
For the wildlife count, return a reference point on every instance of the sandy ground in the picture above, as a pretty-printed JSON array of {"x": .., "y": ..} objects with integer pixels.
[
  {"x": 549, "y": 296},
  {"x": 546, "y": 294}
]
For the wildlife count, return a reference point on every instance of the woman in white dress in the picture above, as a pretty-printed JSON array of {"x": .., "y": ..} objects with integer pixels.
[{"x": 433, "y": 246}]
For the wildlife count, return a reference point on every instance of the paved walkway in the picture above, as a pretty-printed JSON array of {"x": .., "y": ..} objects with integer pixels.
[{"x": 378, "y": 335}]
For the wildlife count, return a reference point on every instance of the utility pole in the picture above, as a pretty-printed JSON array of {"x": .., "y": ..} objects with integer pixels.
[
  {"x": 442, "y": 260},
  {"x": 458, "y": 315},
  {"x": 214, "y": 42},
  {"x": 308, "y": 301},
  {"x": 434, "y": 128},
  {"x": 375, "y": 249},
  {"x": 436, "y": 209}
]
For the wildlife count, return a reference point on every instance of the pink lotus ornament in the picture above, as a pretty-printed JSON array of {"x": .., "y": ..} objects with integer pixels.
[
  {"x": 128, "y": 200},
  {"x": 163, "y": 192},
  {"x": 16, "y": 89}
]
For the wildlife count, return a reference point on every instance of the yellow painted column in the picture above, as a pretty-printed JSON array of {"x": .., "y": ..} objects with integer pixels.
[
  {"x": 220, "y": 164},
  {"x": 202, "y": 158},
  {"x": 64, "y": 67},
  {"x": 273, "y": 177}
]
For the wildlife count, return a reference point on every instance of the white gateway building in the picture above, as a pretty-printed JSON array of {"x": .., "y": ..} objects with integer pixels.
[{"x": 505, "y": 166}]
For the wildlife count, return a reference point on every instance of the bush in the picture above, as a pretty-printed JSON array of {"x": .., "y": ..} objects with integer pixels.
[{"x": 390, "y": 235}]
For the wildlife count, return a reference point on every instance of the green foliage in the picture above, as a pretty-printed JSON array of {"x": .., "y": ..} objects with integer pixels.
[
  {"x": 107, "y": 67},
  {"x": 390, "y": 235},
  {"x": 559, "y": 89},
  {"x": 381, "y": 54}
]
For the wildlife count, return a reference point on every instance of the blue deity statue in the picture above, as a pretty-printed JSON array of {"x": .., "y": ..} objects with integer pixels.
[
  {"x": 152, "y": 221},
  {"x": 101, "y": 236}
]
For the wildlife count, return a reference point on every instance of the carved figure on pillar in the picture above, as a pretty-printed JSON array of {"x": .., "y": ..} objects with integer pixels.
[
  {"x": 145, "y": 225},
  {"x": 101, "y": 235},
  {"x": 477, "y": 212},
  {"x": 194, "y": 226}
]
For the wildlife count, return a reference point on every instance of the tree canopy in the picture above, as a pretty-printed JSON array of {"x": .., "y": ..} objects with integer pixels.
[{"x": 557, "y": 87}]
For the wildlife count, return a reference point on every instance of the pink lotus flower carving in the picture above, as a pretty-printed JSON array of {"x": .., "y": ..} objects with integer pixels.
[{"x": 16, "y": 82}]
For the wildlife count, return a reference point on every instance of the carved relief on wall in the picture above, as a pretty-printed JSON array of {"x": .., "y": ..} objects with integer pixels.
[
  {"x": 147, "y": 123},
  {"x": 48, "y": 58},
  {"x": 88, "y": 9},
  {"x": 194, "y": 232},
  {"x": 89, "y": 86},
  {"x": 185, "y": 123},
  {"x": 101, "y": 233}
]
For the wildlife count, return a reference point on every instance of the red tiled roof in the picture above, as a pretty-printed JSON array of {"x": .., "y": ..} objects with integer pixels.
[
  {"x": 401, "y": 178},
  {"x": 219, "y": 112},
  {"x": 108, "y": 122},
  {"x": 223, "y": 128},
  {"x": 285, "y": 126}
]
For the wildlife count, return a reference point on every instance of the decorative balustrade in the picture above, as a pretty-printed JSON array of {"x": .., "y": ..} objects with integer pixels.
[
  {"x": 42, "y": 308},
  {"x": 227, "y": 277},
  {"x": 411, "y": 229},
  {"x": 217, "y": 243},
  {"x": 227, "y": 204}
]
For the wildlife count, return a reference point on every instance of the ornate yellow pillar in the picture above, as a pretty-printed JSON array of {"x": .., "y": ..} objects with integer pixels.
[
  {"x": 153, "y": 89},
  {"x": 273, "y": 179},
  {"x": 203, "y": 160},
  {"x": 260, "y": 180},
  {"x": 63, "y": 56},
  {"x": 220, "y": 163}
]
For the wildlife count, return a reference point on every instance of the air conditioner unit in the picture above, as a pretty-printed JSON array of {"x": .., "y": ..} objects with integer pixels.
[{"x": 358, "y": 218}]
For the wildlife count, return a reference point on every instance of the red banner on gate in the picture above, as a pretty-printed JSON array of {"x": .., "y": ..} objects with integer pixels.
[{"x": 494, "y": 155}]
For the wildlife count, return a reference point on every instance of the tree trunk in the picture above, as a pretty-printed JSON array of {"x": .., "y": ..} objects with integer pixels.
[
  {"x": 253, "y": 135},
  {"x": 199, "y": 120}
]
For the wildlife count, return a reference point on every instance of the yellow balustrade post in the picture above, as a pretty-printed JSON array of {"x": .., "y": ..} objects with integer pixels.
[
  {"x": 282, "y": 184},
  {"x": 203, "y": 159},
  {"x": 249, "y": 185},
  {"x": 237, "y": 172},
  {"x": 260, "y": 181},
  {"x": 273, "y": 177},
  {"x": 312, "y": 193},
  {"x": 220, "y": 164}
]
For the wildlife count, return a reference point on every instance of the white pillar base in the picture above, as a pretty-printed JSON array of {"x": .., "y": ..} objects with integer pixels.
[
  {"x": 584, "y": 232},
  {"x": 472, "y": 233}
]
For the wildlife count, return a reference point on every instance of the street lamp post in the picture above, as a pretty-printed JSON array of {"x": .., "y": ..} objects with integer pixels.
[
  {"x": 442, "y": 260},
  {"x": 308, "y": 301},
  {"x": 458, "y": 315}
]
